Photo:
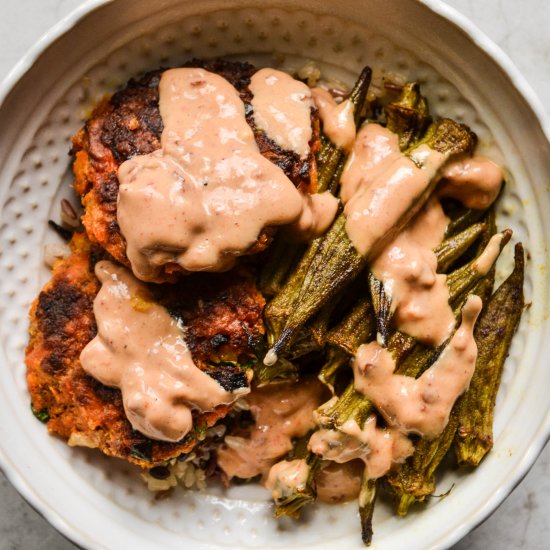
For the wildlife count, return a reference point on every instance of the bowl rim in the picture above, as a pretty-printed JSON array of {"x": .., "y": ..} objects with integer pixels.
[{"x": 517, "y": 80}]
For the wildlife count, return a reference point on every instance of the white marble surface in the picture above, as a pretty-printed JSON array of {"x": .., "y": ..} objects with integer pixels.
[{"x": 521, "y": 29}]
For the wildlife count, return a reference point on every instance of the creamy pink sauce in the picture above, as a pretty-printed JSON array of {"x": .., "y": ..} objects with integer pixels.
[
  {"x": 485, "y": 261},
  {"x": 407, "y": 267},
  {"x": 420, "y": 405},
  {"x": 337, "y": 118},
  {"x": 374, "y": 148},
  {"x": 387, "y": 194},
  {"x": 316, "y": 217},
  {"x": 140, "y": 349},
  {"x": 339, "y": 482},
  {"x": 378, "y": 448},
  {"x": 474, "y": 181},
  {"x": 286, "y": 477},
  {"x": 282, "y": 109},
  {"x": 281, "y": 412},
  {"x": 378, "y": 187},
  {"x": 205, "y": 196}
]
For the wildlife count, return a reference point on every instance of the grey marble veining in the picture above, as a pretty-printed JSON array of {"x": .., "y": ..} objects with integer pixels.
[{"x": 521, "y": 29}]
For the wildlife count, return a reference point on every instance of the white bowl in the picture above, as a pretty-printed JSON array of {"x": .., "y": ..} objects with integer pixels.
[{"x": 101, "y": 503}]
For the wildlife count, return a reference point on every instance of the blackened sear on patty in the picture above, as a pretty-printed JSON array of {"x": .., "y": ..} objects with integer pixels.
[
  {"x": 129, "y": 124},
  {"x": 238, "y": 73},
  {"x": 135, "y": 107},
  {"x": 230, "y": 379}
]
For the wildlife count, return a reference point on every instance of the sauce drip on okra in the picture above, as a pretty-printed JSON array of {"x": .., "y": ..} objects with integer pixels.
[
  {"x": 334, "y": 482},
  {"x": 287, "y": 477},
  {"x": 378, "y": 184},
  {"x": 420, "y": 405},
  {"x": 338, "y": 118},
  {"x": 339, "y": 482},
  {"x": 408, "y": 269},
  {"x": 281, "y": 412},
  {"x": 474, "y": 181},
  {"x": 386, "y": 193},
  {"x": 378, "y": 448}
]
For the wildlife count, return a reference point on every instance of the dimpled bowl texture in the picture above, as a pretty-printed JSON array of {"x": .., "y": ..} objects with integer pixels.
[{"x": 102, "y": 503}]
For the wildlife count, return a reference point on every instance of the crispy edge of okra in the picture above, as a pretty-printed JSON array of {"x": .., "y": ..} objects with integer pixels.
[
  {"x": 415, "y": 479},
  {"x": 408, "y": 116},
  {"x": 453, "y": 247},
  {"x": 355, "y": 328},
  {"x": 382, "y": 307},
  {"x": 467, "y": 218},
  {"x": 367, "y": 499},
  {"x": 493, "y": 333}
]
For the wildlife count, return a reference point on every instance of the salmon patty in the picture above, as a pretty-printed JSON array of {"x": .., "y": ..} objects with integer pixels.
[
  {"x": 129, "y": 124},
  {"x": 223, "y": 318}
]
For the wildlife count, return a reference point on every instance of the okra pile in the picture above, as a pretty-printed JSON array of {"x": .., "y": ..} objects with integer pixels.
[{"x": 324, "y": 302}]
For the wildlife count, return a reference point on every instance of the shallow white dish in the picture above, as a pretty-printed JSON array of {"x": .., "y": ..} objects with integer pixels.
[{"x": 101, "y": 503}]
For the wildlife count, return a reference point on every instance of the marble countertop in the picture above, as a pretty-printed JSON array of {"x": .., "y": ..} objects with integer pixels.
[{"x": 521, "y": 30}]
